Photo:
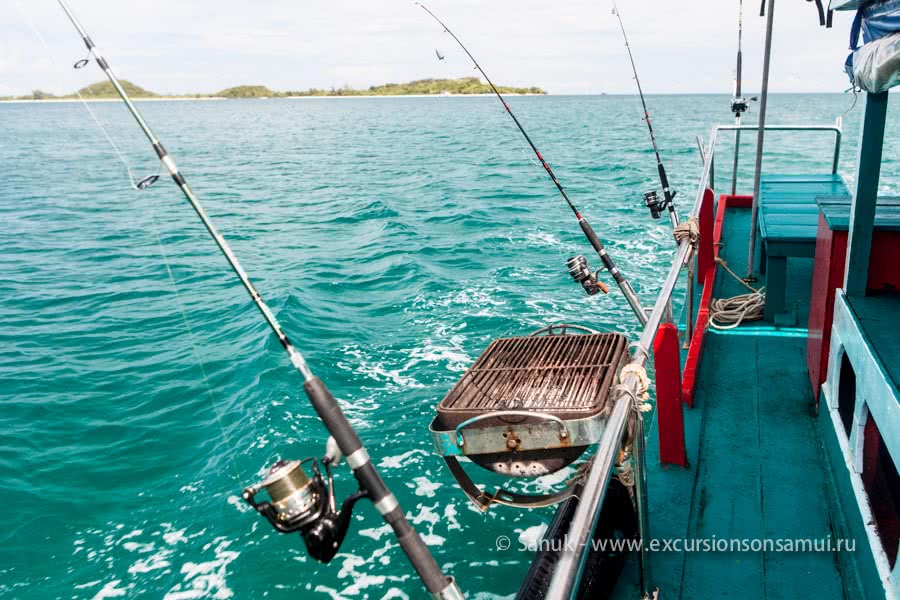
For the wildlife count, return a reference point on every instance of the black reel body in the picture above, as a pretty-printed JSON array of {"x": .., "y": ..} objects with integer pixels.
[
  {"x": 741, "y": 105},
  {"x": 580, "y": 272},
  {"x": 304, "y": 504},
  {"x": 653, "y": 202}
]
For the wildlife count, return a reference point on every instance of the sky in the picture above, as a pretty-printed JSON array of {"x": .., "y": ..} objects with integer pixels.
[{"x": 571, "y": 47}]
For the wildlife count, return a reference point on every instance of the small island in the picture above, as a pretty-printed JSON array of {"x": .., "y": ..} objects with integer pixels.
[{"x": 464, "y": 86}]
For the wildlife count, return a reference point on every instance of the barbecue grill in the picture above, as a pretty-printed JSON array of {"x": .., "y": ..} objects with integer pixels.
[{"x": 529, "y": 405}]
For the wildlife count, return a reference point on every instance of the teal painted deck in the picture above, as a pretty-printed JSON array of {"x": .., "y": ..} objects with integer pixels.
[{"x": 758, "y": 467}]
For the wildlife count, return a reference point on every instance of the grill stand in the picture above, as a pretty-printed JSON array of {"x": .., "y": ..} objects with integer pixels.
[
  {"x": 484, "y": 501},
  {"x": 529, "y": 406}
]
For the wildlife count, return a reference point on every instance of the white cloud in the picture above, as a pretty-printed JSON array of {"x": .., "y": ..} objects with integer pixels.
[{"x": 571, "y": 47}]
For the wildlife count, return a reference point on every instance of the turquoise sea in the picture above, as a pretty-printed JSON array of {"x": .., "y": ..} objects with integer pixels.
[{"x": 394, "y": 238}]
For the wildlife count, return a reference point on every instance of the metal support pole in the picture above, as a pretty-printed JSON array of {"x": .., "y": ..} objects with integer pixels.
[
  {"x": 640, "y": 494},
  {"x": 738, "y": 76},
  {"x": 689, "y": 301},
  {"x": 760, "y": 137},
  {"x": 737, "y": 152},
  {"x": 865, "y": 194},
  {"x": 838, "y": 126}
]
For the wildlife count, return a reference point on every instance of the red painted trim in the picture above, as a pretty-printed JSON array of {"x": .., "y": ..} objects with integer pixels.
[
  {"x": 828, "y": 275},
  {"x": 667, "y": 361},
  {"x": 883, "y": 272},
  {"x": 706, "y": 251},
  {"x": 827, "y": 270},
  {"x": 738, "y": 201},
  {"x": 695, "y": 350}
]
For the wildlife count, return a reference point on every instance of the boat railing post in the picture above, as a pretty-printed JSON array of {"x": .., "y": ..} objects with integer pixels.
[
  {"x": 838, "y": 135},
  {"x": 639, "y": 466},
  {"x": 689, "y": 303},
  {"x": 760, "y": 137},
  {"x": 865, "y": 194}
]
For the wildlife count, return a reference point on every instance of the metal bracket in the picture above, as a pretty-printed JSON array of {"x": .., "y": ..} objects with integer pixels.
[
  {"x": 529, "y": 436},
  {"x": 500, "y": 414},
  {"x": 484, "y": 501}
]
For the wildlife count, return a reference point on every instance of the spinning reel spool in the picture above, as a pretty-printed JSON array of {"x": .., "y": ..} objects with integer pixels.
[
  {"x": 581, "y": 273},
  {"x": 657, "y": 205},
  {"x": 304, "y": 503},
  {"x": 654, "y": 204}
]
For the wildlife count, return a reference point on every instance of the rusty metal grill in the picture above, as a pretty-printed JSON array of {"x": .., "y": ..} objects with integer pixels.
[{"x": 568, "y": 376}]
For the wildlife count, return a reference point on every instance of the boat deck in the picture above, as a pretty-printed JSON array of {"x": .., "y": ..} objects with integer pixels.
[{"x": 757, "y": 465}]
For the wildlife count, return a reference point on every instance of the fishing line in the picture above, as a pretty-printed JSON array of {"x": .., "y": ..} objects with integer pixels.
[
  {"x": 577, "y": 265},
  {"x": 195, "y": 351},
  {"x": 650, "y": 199},
  {"x": 141, "y": 184},
  {"x": 855, "y": 91}
]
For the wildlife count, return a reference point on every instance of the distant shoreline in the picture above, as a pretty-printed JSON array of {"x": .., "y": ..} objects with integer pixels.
[
  {"x": 205, "y": 98},
  {"x": 105, "y": 91},
  {"x": 65, "y": 100},
  {"x": 347, "y": 97}
]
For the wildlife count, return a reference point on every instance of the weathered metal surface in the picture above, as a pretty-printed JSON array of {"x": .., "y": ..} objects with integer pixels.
[
  {"x": 566, "y": 376},
  {"x": 543, "y": 435}
]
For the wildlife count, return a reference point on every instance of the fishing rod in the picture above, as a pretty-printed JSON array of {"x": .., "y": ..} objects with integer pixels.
[
  {"x": 651, "y": 200},
  {"x": 739, "y": 104},
  {"x": 577, "y": 265},
  {"x": 299, "y": 501}
]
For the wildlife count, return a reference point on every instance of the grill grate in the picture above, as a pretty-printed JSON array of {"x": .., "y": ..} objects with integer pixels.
[{"x": 565, "y": 375}]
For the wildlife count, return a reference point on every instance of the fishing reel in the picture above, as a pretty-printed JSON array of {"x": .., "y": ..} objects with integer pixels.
[
  {"x": 656, "y": 205},
  {"x": 741, "y": 105},
  {"x": 304, "y": 503},
  {"x": 578, "y": 269}
]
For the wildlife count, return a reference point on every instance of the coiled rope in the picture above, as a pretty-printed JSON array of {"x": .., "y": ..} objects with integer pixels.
[
  {"x": 640, "y": 403},
  {"x": 728, "y": 313}
]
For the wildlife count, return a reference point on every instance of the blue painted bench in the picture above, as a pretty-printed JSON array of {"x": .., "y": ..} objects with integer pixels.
[
  {"x": 836, "y": 210},
  {"x": 788, "y": 222}
]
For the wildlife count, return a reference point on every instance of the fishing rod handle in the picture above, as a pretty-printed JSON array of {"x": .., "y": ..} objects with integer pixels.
[
  {"x": 633, "y": 301},
  {"x": 601, "y": 251},
  {"x": 370, "y": 480}
]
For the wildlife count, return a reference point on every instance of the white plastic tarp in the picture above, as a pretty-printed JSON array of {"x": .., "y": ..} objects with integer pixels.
[{"x": 876, "y": 65}]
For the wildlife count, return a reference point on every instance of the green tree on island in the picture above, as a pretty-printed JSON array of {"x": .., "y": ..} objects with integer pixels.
[{"x": 421, "y": 87}]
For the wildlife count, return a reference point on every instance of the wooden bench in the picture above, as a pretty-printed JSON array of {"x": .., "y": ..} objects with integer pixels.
[{"x": 788, "y": 221}]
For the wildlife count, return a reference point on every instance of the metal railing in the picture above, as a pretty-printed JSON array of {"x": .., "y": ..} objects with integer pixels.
[
  {"x": 569, "y": 568},
  {"x": 836, "y": 129}
]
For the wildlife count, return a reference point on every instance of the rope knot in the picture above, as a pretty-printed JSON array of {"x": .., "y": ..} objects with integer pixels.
[
  {"x": 689, "y": 230},
  {"x": 640, "y": 400}
]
